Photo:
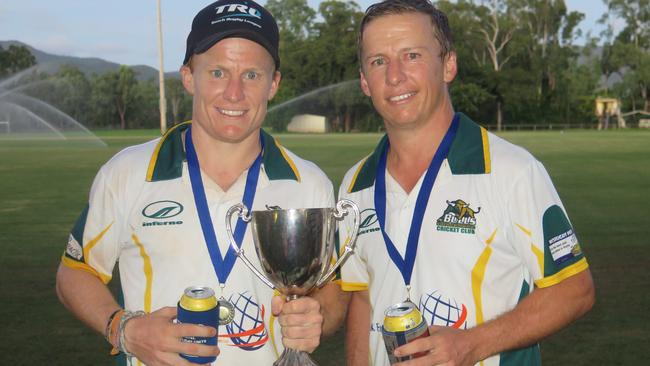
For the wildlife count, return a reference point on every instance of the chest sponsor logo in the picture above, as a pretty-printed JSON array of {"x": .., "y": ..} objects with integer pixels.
[
  {"x": 369, "y": 222},
  {"x": 247, "y": 331},
  {"x": 442, "y": 310},
  {"x": 458, "y": 217},
  {"x": 162, "y": 213}
]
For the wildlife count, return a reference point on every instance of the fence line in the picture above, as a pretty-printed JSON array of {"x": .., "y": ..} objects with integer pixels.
[{"x": 552, "y": 126}]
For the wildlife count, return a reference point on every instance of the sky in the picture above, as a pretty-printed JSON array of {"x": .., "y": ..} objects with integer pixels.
[{"x": 125, "y": 31}]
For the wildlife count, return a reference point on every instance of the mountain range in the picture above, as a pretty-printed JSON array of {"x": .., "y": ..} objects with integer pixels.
[{"x": 50, "y": 63}]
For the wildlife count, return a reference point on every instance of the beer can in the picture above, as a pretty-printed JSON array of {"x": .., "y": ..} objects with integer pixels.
[
  {"x": 198, "y": 305},
  {"x": 403, "y": 323}
]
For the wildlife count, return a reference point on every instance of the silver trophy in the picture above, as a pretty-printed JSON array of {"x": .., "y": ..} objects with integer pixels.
[{"x": 295, "y": 248}]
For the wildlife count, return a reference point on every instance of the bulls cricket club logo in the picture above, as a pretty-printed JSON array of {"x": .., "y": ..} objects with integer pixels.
[{"x": 458, "y": 217}]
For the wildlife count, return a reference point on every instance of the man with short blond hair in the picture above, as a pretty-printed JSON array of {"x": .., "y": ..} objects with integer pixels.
[{"x": 158, "y": 211}]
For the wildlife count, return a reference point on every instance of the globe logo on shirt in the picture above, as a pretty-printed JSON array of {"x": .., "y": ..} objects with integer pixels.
[
  {"x": 247, "y": 331},
  {"x": 441, "y": 310}
]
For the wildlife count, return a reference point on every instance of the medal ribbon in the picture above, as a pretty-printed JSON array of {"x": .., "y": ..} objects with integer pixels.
[
  {"x": 222, "y": 265},
  {"x": 405, "y": 265}
]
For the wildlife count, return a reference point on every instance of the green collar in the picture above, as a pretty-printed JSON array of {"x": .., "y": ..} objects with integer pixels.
[
  {"x": 167, "y": 159},
  {"x": 469, "y": 154}
]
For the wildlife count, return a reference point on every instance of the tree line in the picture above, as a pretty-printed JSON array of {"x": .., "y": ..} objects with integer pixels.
[{"x": 518, "y": 65}]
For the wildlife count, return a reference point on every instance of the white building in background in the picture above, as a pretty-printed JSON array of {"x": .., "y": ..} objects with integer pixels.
[{"x": 308, "y": 123}]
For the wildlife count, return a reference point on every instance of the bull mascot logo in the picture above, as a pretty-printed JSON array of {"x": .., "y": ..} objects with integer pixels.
[
  {"x": 461, "y": 209},
  {"x": 458, "y": 218}
]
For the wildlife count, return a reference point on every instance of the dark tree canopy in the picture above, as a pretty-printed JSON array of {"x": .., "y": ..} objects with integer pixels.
[{"x": 517, "y": 61}]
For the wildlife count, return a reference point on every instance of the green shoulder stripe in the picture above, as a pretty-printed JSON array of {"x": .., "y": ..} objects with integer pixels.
[
  {"x": 277, "y": 163},
  {"x": 469, "y": 153},
  {"x": 365, "y": 174},
  {"x": 167, "y": 159}
]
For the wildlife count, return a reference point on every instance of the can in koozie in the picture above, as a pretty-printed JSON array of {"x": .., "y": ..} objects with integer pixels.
[
  {"x": 198, "y": 305},
  {"x": 403, "y": 323}
]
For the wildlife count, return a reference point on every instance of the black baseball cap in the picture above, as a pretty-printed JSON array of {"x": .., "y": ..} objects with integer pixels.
[{"x": 233, "y": 18}]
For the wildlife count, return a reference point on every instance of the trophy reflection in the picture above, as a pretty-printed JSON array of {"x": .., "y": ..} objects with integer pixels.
[{"x": 295, "y": 248}]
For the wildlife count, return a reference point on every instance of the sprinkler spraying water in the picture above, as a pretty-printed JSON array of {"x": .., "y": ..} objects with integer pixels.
[{"x": 26, "y": 117}]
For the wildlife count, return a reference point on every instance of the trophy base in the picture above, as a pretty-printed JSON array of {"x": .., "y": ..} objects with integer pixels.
[{"x": 291, "y": 357}]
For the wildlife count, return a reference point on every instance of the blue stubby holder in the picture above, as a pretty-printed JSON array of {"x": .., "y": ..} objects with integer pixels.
[{"x": 209, "y": 318}]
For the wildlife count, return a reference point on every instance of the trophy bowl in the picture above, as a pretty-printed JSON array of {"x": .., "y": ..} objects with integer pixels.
[{"x": 295, "y": 248}]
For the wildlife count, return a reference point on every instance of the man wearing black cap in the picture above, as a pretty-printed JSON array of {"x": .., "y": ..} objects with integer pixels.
[{"x": 158, "y": 209}]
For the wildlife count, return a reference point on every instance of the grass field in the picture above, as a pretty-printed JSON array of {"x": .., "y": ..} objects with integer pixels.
[{"x": 602, "y": 177}]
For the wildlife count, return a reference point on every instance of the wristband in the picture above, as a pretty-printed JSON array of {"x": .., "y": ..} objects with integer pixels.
[
  {"x": 128, "y": 315},
  {"x": 111, "y": 327}
]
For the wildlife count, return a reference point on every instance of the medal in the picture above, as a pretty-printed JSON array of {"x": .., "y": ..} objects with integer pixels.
[
  {"x": 226, "y": 311},
  {"x": 222, "y": 265}
]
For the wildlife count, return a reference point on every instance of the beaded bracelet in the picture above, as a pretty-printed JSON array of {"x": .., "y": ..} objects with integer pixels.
[{"x": 111, "y": 327}]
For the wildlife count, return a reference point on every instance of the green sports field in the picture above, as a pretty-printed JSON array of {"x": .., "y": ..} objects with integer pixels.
[{"x": 602, "y": 177}]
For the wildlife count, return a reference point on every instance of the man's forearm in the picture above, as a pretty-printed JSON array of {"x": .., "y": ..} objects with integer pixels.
[
  {"x": 357, "y": 346},
  {"x": 540, "y": 314},
  {"x": 85, "y": 296}
]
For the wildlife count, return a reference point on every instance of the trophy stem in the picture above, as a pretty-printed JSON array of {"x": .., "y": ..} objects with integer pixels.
[{"x": 292, "y": 357}]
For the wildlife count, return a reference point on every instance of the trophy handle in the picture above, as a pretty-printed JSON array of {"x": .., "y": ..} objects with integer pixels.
[
  {"x": 343, "y": 207},
  {"x": 242, "y": 213}
]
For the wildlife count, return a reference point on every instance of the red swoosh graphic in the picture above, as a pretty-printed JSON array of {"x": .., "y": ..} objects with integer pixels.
[
  {"x": 461, "y": 320},
  {"x": 255, "y": 330},
  {"x": 261, "y": 341}
]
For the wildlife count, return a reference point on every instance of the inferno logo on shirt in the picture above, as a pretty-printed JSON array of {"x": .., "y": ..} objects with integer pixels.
[
  {"x": 247, "y": 331},
  {"x": 162, "y": 212},
  {"x": 444, "y": 311},
  {"x": 369, "y": 221},
  {"x": 458, "y": 217}
]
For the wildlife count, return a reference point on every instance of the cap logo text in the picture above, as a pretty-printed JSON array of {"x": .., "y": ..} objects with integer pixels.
[{"x": 242, "y": 9}]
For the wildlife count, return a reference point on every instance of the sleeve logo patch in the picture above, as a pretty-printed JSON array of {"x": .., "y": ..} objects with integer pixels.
[
  {"x": 73, "y": 249},
  {"x": 564, "y": 246}
]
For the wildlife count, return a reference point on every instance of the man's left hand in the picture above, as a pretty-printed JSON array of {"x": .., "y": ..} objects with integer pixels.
[
  {"x": 301, "y": 321},
  {"x": 445, "y": 346}
]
